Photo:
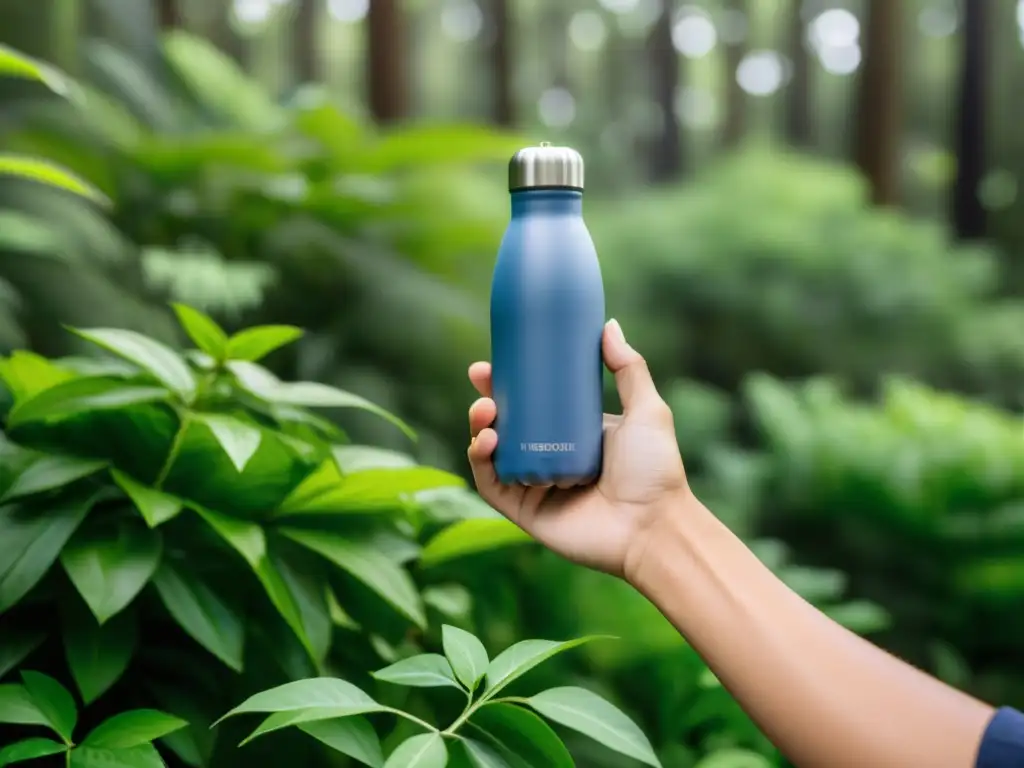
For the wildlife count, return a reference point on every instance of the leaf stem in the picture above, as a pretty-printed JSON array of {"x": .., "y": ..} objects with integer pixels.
[
  {"x": 172, "y": 454},
  {"x": 412, "y": 719}
]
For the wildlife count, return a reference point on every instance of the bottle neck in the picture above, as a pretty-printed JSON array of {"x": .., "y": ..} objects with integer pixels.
[{"x": 549, "y": 201}]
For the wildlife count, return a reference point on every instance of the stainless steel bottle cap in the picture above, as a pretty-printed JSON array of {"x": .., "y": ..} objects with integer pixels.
[{"x": 545, "y": 166}]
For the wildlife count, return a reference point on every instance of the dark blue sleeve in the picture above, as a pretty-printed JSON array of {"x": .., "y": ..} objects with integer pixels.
[{"x": 1002, "y": 746}]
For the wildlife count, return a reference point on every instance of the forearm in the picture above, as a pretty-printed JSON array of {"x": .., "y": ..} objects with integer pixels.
[{"x": 826, "y": 697}]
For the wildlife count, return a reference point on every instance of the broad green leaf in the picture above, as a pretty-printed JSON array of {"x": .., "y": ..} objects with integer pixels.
[
  {"x": 466, "y": 653},
  {"x": 16, "y": 643},
  {"x": 50, "y": 174},
  {"x": 98, "y": 655},
  {"x": 516, "y": 660},
  {"x": 470, "y": 537},
  {"x": 16, "y": 64},
  {"x": 202, "y": 329},
  {"x": 339, "y": 616},
  {"x": 424, "y": 751},
  {"x": 26, "y": 374},
  {"x": 357, "y": 458},
  {"x": 254, "y": 344},
  {"x": 519, "y": 736},
  {"x": 352, "y": 736},
  {"x": 162, "y": 362},
  {"x": 368, "y": 565},
  {"x": 31, "y": 540},
  {"x": 132, "y": 729},
  {"x": 593, "y": 716},
  {"x": 450, "y": 505},
  {"x": 302, "y": 601},
  {"x": 30, "y": 749},
  {"x": 452, "y": 600},
  {"x": 54, "y": 701},
  {"x": 280, "y": 720},
  {"x": 238, "y": 439},
  {"x": 370, "y": 490},
  {"x": 81, "y": 396},
  {"x": 49, "y": 472},
  {"x": 144, "y": 756},
  {"x": 156, "y": 507},
  {"x": 482, "y": 756},
  {"x": 314, "y": 693},
  {"x": 734, "y": 758},
  {"x": 109, "y": 568},
  {"x": 437, "y": 144},
  {"x": 202, "y": 614},
  {"x": 428, "y": 670},
  {"x": 17, "y": 706}
]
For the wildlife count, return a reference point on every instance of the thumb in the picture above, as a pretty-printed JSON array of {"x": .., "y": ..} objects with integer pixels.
[{"x": 636, "y": 387}]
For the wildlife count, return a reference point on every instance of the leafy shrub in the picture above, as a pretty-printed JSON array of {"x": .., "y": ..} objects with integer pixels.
[
  {"x": 492, "y": 731},
  {"x": 213, "y": 535}
]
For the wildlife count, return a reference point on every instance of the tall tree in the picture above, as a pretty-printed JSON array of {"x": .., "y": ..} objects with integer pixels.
[
  {"x": 798, "y": 124},
  {"x": 387, "y": 76},
  {"x": 503, "y": 110},
  {"x": 969, "y": 219},
  {"x": 735, "y": 99},
  {"x": 878, "y": 132},
  {"x": 168, "y": 14},
  {"x": 666, "y": 156},
  {"x": 306, "y": 50}
]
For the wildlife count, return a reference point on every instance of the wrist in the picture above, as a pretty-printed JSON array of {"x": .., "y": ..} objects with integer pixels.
[{"x": 673, "y": 528}]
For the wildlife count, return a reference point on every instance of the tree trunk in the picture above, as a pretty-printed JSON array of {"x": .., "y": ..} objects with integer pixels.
[
  {"x": 225, "y": 37},
  {"x": 880, "y": 102},
  {"x": 798, "y": 122},
  {"x": 735, "y": 99},
  {"x": 387, "y": 75},
  {"x": 503, "y": 109},
  {"x": 306, "y": 49},
  {"x": 666, "y": 155},
  {"x": 969, "y": 217},
  {"x": 168, "y": 15}
]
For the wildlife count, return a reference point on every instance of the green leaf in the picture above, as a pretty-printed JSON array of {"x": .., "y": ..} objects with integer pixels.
[
  {"x": 734, "y": 758},
  {"x": 202, "y": 329},
  {"x": 132, "y": 729},
  {"x": 428, "y": 670},
  {"x": 253, "y": 344},
  {"x": 144, "y": 756},
  {"x": 156, "y": 507},
  {"x": 482, "y": 756},
  {"x": 81, "y": 396},
  {"x": 368, "y": 490},
  {"x": 26, "y": 374},
  {"x": 29, "y": 749},
  {"x": 299, "y": 717},
  {"x": 356, "y": 458},
  {"x": 516, "y": 660},
  {"x": 424, "y": 751},
  {"x": 98, "y": 655},
  {"x": 313, "y": 693},
  {"x": 352, "y": 736},
  {"x": 50, "y": 174},
  {"x": 466, "y": 653},
  {"x": 202, "y": 614},
  {"x": 451, "y": 600},
  {"x": 110, "y": 570},
  {"x": 238, "y": 439},
  {"x": 30, "y": 541},
  {"x": 54, "y": 701},
  {"x": 417, "y": 146},
  {"x": 16, "y": 64},
  {"x": 17, "y": 706},
  {"x": 16, "y": 643},
  {"x": 162, "y": 362},
  {"x": 370, "y": 566},
  {"x": 470, "y": 537},
  {"x": 593, "y": 716},
  {"x": 49, "y": 472},
  {"x": 520, "y": 737}
]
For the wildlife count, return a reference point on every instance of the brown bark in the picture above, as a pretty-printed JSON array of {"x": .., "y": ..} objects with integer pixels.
[
  {"x": 735, "y": 99},
  {"x": 387, "y": 74},
  {"x": 798, "y": 124},
  {"x": 168, "y": 15},
  {"x": 666, "y": 157},
  {"x": 501, "y": 58},
  {"x": 880, "y": 102},
  {"x": 307, "y": 58},
  {"x": 969, "y": 216}
]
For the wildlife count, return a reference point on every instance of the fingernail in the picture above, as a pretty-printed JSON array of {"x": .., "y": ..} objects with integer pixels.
[{"x": 616, "y": 329}]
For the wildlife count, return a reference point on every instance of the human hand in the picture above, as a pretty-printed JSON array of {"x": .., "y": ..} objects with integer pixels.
[{"x": 608, "y": 525}]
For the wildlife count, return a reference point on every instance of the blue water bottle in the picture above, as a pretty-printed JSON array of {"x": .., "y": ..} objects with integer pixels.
[{"x": 547, "y": 317}]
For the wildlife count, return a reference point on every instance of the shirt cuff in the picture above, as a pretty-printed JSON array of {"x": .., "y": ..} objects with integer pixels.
[{"x": 1002, "y": 746}]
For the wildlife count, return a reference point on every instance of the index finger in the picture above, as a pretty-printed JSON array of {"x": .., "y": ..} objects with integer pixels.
[{"x": 480, "y": 376}]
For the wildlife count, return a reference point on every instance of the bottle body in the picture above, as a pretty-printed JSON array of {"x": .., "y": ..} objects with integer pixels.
[{"x": 547, "y": 319}]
